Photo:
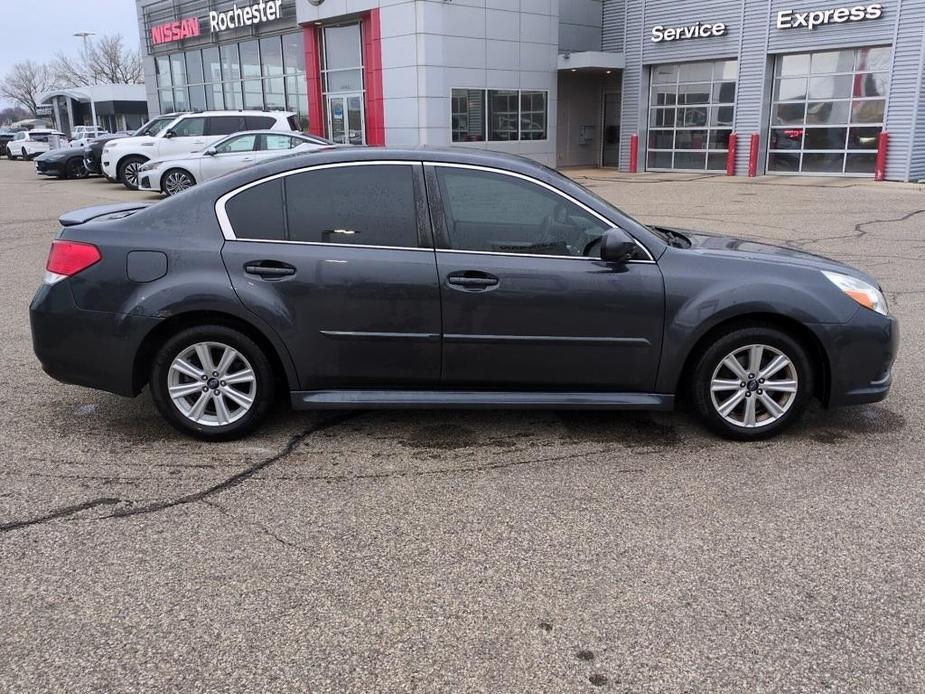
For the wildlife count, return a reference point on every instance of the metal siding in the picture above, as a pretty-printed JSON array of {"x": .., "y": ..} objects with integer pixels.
[
  {"x": 905, "y": 117},
  {"x": 613, "y": 25},
  {"x": 751, "y": 114},
  {"x": 634, "y": 18},
  {"x": 853, "y": 34}
]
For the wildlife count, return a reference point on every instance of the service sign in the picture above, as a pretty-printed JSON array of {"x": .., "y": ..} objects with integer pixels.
[
  {"x": 700, "y": 30},
  {"x": 810, "y": 19}
]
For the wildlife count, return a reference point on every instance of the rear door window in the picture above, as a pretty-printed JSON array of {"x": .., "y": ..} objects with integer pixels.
[
  {"x": 367, "y": 204},
  {"x": 257, "y": 213},
  {"x": 278, "y": 142},
  {"x": 225, "y": 125}
]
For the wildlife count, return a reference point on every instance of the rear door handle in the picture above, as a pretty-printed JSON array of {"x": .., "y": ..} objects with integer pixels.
[
  {"x": 269, "y": 269},
  {"x": 472, "y": 279}
]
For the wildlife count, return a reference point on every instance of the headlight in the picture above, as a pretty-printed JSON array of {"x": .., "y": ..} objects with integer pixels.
[
  {"x": 149, "y": 166},
  {"x": 865, "y": 294}
]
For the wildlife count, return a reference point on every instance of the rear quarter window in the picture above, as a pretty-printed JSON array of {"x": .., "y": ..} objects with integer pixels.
[
  {"x": 258, "y": 213},
  {"x": 259, "y": 122},
  {"x": 225, "y": 125}
]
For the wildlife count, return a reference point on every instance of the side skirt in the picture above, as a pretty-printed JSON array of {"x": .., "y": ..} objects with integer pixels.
[{"x": 461, "y": 399}]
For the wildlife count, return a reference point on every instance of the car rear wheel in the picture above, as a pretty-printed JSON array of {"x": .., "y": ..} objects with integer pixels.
[
  {"x": 212, "y": 382},
  {"x": 25, "y": 155},
  {"x": 752, "y": 383},
  {"x": 10, "y": 155},
  {"x": 128, "y": 171},
  {"x": 176, "y": 181}
]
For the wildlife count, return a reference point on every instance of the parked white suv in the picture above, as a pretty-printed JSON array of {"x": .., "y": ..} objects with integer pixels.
[
  {"x": 82, "y": 134},
  {"x": 184, "y": 133},
  {"x": 30, "y": 143}
]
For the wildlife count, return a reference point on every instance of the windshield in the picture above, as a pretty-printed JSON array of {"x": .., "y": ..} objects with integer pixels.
[{"x": 153, "y": 127}]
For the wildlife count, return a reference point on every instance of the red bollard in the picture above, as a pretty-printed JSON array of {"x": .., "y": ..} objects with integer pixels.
[
  {"x": 753, "y": 156},
  {"x": 880, "y": 166},
  {"x": 634, "y": 153},
  {"x": 731, "y": 159}
]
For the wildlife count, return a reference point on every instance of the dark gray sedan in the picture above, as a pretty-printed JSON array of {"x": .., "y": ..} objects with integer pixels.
[{"x": 359, "y": 278}]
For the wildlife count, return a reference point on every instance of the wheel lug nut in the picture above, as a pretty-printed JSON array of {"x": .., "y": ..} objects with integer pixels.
[
  {"x": 223, "y": 383},
  {"x": 751, "y": 375},
  {"x": 748, "y": 395},
  {"x": 204, "y": 377},
  {"x": 742, "y": 384},
  {"x": 205, "y": 389},
  {"x": 760, "y": 380},
  {"x": 760, "y": 392},
  {"x": 215, "y": 373}
]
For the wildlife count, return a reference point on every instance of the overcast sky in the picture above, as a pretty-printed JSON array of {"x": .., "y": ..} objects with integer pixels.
[{"x": 38, "y": 29}]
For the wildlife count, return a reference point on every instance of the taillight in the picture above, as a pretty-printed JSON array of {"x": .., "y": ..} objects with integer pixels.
[{"x": 67, "y": 258}]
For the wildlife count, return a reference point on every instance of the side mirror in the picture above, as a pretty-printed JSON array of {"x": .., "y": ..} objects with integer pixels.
[
  {"x": 170, "y": 133},
  {"x": 210, "y": 152},
  {"x": 617, "y": 246}
]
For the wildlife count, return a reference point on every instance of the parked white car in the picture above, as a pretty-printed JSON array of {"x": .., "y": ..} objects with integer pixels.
[
  {"x": 172, "y": 175},
  {"x": 184, "y": 134},
  {"x": 82, "y": 134},
  {"x": 30, "y": 143}
]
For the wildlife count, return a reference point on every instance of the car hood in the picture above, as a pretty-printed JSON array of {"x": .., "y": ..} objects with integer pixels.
[
  {"x": 134, "y": 141},
  {"x": 749, "y": 249},
  {"x": 59, "y": 153}
]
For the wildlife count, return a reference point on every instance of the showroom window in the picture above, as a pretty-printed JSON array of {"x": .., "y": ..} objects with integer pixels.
[
  {"x": 691, "y": 115},
  {"x": 504, "y": 114},
  {"x": 255, "y": 74},
  {"x": 827, "y": 111}
]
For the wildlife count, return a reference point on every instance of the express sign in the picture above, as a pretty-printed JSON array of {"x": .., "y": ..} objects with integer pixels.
[{"x": 245, "y": 16}]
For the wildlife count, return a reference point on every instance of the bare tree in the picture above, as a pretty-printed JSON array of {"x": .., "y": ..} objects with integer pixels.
[
  {"x": 105, "y": 60},
  {"x": 11, "y": 114},
  {"x": 25, "y": 82}
]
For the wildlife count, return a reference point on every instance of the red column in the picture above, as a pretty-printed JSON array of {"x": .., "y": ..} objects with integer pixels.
[
  {"x": 372, "y": 80},
  {"x": 753, "y": 156},
  {"x": 882, "y": 148},
  {"x": 313, "y": 77},
  {"x": 731, "y": 159},
  {"x": 634, "y": 153}
]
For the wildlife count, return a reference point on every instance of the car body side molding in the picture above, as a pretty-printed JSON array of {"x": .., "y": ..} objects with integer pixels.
[{"x": 464, "y": 399}]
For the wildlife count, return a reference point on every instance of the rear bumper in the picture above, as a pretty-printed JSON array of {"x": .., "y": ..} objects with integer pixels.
[
  {"x": 86, "y": 348},
  {"x": 861, "y": 353}
]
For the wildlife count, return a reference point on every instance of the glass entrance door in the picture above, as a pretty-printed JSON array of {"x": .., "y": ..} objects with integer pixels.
[
  {"x": 346, "y": 124},
  {"x": 610, "y": 155}
]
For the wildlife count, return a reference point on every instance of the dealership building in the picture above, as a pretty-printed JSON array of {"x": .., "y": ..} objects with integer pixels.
[{"x": 808, "y": 87}]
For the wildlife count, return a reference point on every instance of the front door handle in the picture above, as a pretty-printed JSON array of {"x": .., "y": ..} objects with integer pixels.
[
  {"x": 269, "y": 269},
  {"x": 472, "y": 280}
]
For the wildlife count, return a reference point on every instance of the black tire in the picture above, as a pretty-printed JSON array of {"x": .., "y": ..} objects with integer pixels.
[
  {"x": 223, "y": 336},
  {"x": 128, "y": 171},
  {"x": 9, "y": 154},
  {"x": 766, "y": 423},
  {"x": 25, "y": 156},
  {"x": 178, "y": 173},
  {"x": 76, "y": 169}
]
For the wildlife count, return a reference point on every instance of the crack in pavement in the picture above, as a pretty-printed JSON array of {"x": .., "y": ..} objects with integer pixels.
[
  {"x": 201, "y": 495},
  {"x": 259, "y": 526},
  {"x": 859, "y": 231}
]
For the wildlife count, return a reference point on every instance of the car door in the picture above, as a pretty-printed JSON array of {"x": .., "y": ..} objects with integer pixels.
[
  {"x": 338, "y": 259},
  {"x": 188, "y": 135},
  {"x": 527, "y": 301},
  {"x": 230, "y": 154}
]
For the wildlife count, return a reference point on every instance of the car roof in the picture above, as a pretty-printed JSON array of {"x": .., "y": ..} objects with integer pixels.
[{"x": 242, "y": 112}]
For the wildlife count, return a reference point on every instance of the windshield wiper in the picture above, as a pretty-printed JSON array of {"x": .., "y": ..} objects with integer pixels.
[{"x": 674, "y": 238}]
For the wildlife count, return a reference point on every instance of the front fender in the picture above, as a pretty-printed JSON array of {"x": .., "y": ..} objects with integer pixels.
[{"x": 697, "y": 301}]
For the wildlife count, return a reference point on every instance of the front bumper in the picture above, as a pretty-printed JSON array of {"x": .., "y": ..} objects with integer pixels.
[
  {"x": 49, "y": 168},
  {"x": 95, "y": 349},
  {"x": 150, "y": 181},
  {"x": 861, "y": 353},
  {"x": 108, "y": 164}
]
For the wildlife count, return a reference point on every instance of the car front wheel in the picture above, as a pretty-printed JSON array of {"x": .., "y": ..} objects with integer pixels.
[
  {"x": 176, "y": 181},
  {"x": 752, "y": 383},
  {"x": 212, "y": 382}
]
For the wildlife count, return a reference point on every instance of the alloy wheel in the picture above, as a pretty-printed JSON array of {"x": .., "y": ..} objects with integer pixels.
[
  {"x": 212, "y": 384},
  {"x": 130, "y": 173},
  {"x": 754, "y": 386},
  {"x": 177, "y": 181}
]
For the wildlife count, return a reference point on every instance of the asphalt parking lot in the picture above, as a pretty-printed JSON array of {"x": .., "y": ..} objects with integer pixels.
[{"x": 460, "y": 551}]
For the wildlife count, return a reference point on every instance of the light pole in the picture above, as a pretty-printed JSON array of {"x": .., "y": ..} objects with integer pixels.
[{"x": 86, "y": 35}]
